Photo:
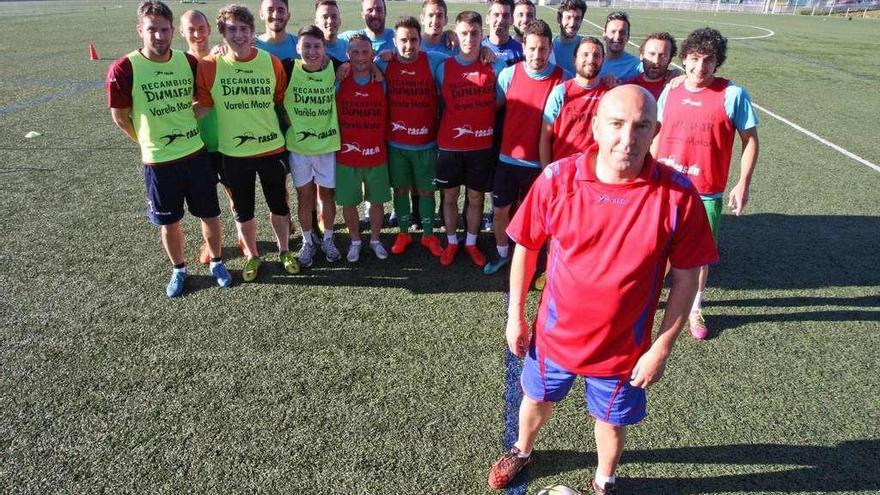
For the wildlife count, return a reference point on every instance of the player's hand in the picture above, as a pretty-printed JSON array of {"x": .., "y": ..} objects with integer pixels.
[
  {"x": 674, "y": 74},
  {"x": 517, "y": 334},
  {"x": 385, "y": 56},
  {"x": 343, "y": 71},
  {"x": 451, "y": 39},
  {"x": 739, "y": 196},
  {"x": 219, "y": 50},
  {"x": 676, "y": 81},
  {"x": 487, "y": 56},
  {"x": 609, "y": 80},
  {"x": 376, "y": 74},
  {"x": 649, "y": 369}
]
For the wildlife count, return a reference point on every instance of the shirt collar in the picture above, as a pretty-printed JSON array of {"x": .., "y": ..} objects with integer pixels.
[{"x": 585, "y": 166}]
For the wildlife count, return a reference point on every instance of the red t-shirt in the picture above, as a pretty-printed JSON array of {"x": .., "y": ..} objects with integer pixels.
[
  {"x": 653, "y": 87},
  {"x": 609, "y": 245}
]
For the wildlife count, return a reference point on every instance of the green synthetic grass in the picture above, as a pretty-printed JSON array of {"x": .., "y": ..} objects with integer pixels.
[{"x": 388, "y": 376}]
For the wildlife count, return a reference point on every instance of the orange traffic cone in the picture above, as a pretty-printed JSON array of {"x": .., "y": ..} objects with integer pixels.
[{"x": 93, "y": 54}]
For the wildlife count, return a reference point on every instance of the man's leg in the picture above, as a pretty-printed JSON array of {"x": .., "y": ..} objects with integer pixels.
[
  {"x": 610, "y": 441},
  {"x": 377, "y": 190},
  {"x": 400, "y": 173},
  {"x": 504, "y": 193},
  {"x": 532, "y": 416},
  {"x": 450, "y": 221},
  {"x": 212, "y": 232},
  {"x": 172, "y": 241},
  {"x": 305, "y": 197},
  {"x": 472, "y": 219},
  {"x": 696, "y": 322}
]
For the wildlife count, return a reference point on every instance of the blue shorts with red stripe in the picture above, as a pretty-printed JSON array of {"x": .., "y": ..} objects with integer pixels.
[{"x": 612, "y": 400}]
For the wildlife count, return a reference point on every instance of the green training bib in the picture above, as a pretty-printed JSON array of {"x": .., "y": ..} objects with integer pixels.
[{"x": 310, "y": 102}]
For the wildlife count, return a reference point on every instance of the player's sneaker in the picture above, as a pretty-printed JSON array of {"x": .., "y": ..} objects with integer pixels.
[
  {"x": 432, "y": 243},
  {"x": 221, "y": 274},
  {"x": 251, "y": 267},
  {"x": 379, "y": 250},
  {"x": 608, "y": 489},
  {"x": 289, "y": 263},
  {"x": 330, "y": 252},
  {"x": 495, "y": 265},
  {"x": 204, "y": 254},
  {"x": 401, "y": 242},
  {"x": 698, "y": 325},
  {"x": 306, "y": 254},
  {"x": 448, "y": 255},
  {"x": 175, "y": 285},
  {"x": 506, "y": 468},
  {"x": 354, "y": 253},
  {"x": 476, "y": 256}
]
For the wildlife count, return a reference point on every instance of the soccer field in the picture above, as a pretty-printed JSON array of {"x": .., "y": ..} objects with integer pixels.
[{"x": 392, "y": 376}]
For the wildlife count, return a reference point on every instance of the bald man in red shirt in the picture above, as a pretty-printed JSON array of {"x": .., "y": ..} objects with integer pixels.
[{"x": 613, "y": 217}]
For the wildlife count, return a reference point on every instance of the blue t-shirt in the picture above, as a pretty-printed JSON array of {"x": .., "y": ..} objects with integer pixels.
[
  {"x": 504, "y": 79},
  {"x": 338, "y": 50},
  {"x": 434, "y": 60},
  {"x": 380, "y": 44},
  {"x": 563, "y": 52},
  {"x": 625, "y": 68},
  {"x": 737, "y": 105},
  {"x": 439, "y": 47},
  {"x": 553, "y": 107},
  {"x": 510, "y": 52},
  {"x": 284, "y": 50}
]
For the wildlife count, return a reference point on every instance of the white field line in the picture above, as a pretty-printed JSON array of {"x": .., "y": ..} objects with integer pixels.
[{"x": 839, "y": 149}]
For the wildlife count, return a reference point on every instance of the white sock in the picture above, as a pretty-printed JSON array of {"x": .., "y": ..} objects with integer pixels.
[
  {"x": 215, "y": 263},
  {"x": 470, "y": 240},
  {"x": 355, "y": 242},
  {"x": 601, "y": 480},
  {"x": 328, "y": 235},
  {"x": 698, "y": 302},
  {"x": 181, "y": 270},
  {"x": 452, "y": 238},
  {"x": 503, "y": 251},
  {"x": 307, "y": 236},
  {"x": 373, "y": 242},
  {"x": 523, "y": 455}
]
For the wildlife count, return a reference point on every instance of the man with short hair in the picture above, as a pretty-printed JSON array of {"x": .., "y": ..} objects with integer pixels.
[
  {"x": 150, "y": 95},
  {"x": 433, "y": 20},
  {"x": 328, "y": 19},
  {"x": 196, "y": 31},
  {"x": 656, "y": 52},
  {"x": 499, "y": 40},
  {"x": 524, "y": 88},
  {"x": 244, "y": 85},
  {"x": 700, "y": 120},
  {"x": 618, "y": 63},
  {"x": 313, "y": 140},
  {"x": 361, "y": 164},
  {"x": 466, "y": 156},
  {"x": 570, "y": 15},
  {"x": 613, "y": 218},
  {"x": 523, "y": 13},
  {"x": 412, "y": 130},
  {"x": 571, "y": 106},
  {"x": 381, "y": 38},
  {"x": 276, "y": 40}
]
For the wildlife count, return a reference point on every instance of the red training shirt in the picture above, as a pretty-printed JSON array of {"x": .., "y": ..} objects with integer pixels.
[{"x": 609, "y": 244}]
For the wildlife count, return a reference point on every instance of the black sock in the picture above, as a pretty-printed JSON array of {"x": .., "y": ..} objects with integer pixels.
[{"x": 180, "y": 266}]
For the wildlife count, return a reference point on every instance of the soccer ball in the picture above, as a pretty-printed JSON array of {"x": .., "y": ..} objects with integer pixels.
[{"x": 558, "y": 490}]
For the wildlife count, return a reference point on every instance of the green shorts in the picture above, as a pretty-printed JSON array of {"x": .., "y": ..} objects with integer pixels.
[
  {"x": 412, "y": 168},
  {"x": 713, "y": 211},
  {"x": 355, "y": 184}
]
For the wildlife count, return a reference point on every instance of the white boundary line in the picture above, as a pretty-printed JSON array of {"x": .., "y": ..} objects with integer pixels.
[{"x": 791, "y": 124}]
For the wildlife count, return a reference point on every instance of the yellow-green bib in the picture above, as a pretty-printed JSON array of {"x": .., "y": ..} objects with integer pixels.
[
  {"x": 310, "y": 102},
  {"x": 243, "y": 94},
  {"x": 161, "y": 111}
]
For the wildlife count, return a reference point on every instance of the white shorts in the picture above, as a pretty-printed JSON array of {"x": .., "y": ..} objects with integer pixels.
[{"x": 320, "y": 168}]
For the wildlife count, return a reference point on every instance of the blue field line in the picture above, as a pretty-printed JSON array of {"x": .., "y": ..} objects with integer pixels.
[
  {"x": 24, "y": 105},
  {"x": 512, "y": 398}
]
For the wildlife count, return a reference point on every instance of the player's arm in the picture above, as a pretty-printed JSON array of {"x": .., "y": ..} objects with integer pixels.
[
  {"x": 122, "y": 118},
  {"x": 739, "y": 195},
  {"x": 650, "y": 367},
  {"x": 204, "y": 80},
  {"x": 545, "y": 144},
  {"x": 522, "y": 269}
]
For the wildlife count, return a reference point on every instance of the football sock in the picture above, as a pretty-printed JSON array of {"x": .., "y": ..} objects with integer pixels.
[
  {"x": 328, "y": 234},
  {"x": 180, "y": 267},
  {"x": 503, "y": 251},
  {"x": 523, "y": 455},
  {"x": 470, "y": 240},
  {"x": 402, "y": 207},
  {"x": 307, "y": 236},
  {"x": 427, "y": 205},
  {"x": 216, "y": 260},
  {"x": 601, "y": 480},
  {"x": 355, "y": 242},
  {"x": 452, "y": 238},
  {"x": 698, "y": 302}
]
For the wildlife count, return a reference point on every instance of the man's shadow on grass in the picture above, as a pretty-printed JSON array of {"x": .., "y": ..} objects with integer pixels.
[{"x": 846, "y": 467}]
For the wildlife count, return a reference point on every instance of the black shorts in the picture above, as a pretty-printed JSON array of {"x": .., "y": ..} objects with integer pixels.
[
  {"x": 472, "y": 169},
  {"x": 512, "y": 183},
  {"x": 240, "y": 176},
  {"x": 169, "y": 184}
]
